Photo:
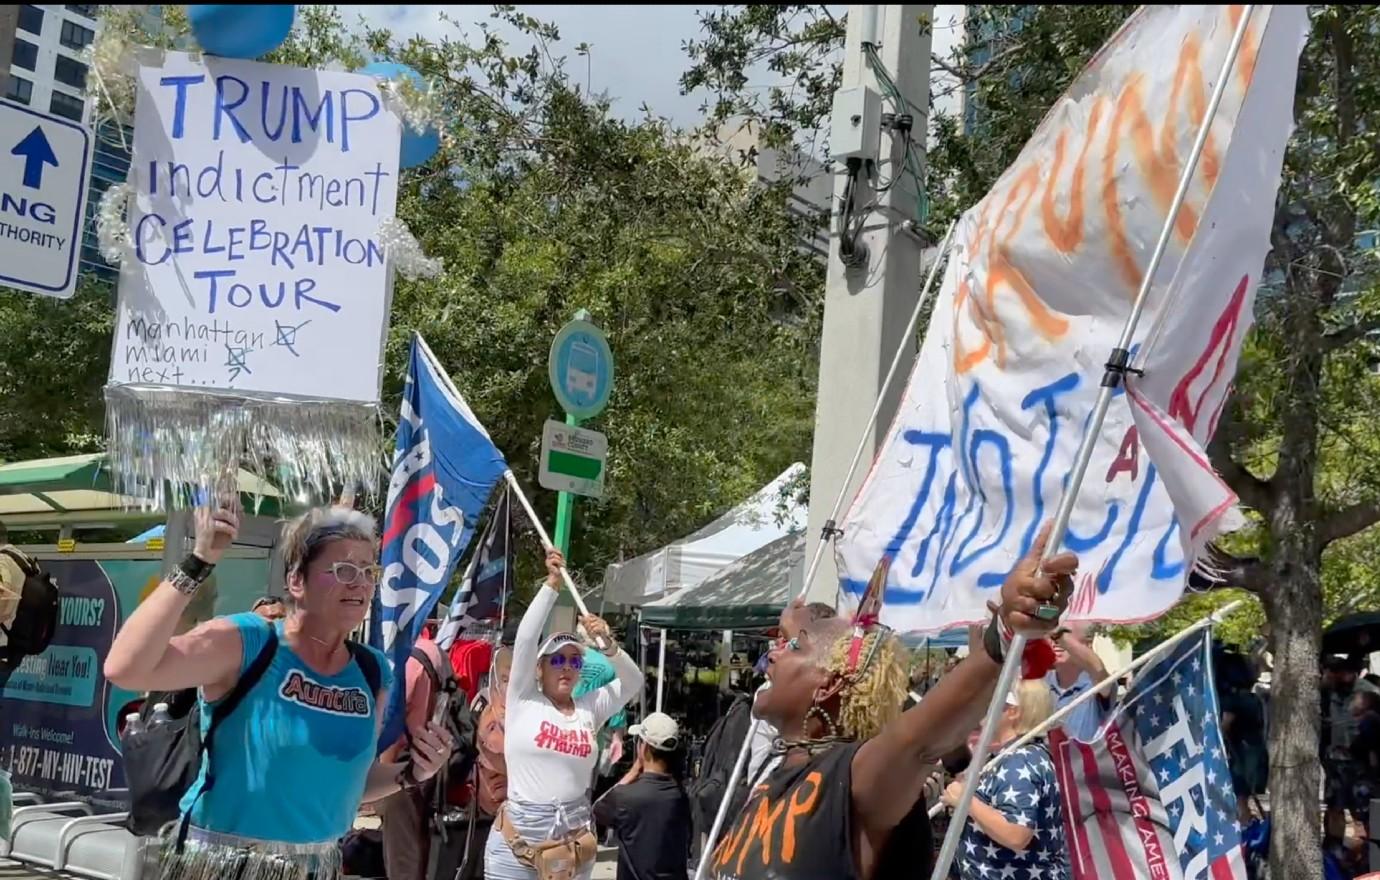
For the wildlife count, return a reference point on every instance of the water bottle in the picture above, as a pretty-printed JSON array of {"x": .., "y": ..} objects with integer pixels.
[
  {"x": 160, "y": 715},
  {"x": 133, "y": 724}
]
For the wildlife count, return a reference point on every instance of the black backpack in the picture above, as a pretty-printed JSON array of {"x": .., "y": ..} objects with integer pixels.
[
  {"x": 460, "y": 721},
  {"x": 720, "y": 753},
  {"x": 36, "y": 618},
  {"x": 163, "y": 762}
]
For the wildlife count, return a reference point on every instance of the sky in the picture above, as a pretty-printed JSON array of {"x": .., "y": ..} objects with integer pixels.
[{"x": 637, "y": 51}]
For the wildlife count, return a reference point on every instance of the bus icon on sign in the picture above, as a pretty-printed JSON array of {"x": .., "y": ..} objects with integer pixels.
[{"x": 582, "y": 370}]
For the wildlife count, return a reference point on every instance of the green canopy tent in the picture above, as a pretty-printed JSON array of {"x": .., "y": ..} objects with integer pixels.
[
  {"x": 747, "y": 594},
  {"x": 75, "y": 491}
]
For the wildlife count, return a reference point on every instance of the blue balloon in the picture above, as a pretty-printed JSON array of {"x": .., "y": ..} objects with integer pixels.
[
  {"x": 417, "y": 147},
  {"x": 248, "y": 31}
]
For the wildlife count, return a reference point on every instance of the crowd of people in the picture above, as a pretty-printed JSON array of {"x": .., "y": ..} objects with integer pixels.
[
  {"x": 508, "y": 786},
  {"x": 519, "y": 779}
]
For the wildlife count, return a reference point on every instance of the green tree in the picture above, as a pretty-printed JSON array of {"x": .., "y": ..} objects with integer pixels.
[
  {"x": 546, "y": 204},
  {"x": 53, "y": 364},
  {"x": 1296, "y": 443},
  {"x": 540, "y": 203}
]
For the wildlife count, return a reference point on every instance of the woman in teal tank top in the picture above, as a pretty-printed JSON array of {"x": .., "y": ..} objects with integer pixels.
[{"x": 294, "y": 760}]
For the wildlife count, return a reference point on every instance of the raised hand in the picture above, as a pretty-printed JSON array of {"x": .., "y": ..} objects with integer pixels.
[
  {"x": 555, "y": 561},
  {"x": 1034, "y": 583},
  {"x": 217, "y": 525}
]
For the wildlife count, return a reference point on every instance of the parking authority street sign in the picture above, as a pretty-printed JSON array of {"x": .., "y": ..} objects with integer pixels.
[
  {"x": 581, "y": 369},
  {"x": 45, "y": 165},
  {"x": 573, "y": 459}
]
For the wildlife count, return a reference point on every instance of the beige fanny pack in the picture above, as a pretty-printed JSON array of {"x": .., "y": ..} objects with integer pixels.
[{"x": 552, "y": 859}]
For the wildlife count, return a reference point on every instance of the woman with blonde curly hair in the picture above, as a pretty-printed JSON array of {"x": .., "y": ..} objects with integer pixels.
[{"x": 846, "y": 801}]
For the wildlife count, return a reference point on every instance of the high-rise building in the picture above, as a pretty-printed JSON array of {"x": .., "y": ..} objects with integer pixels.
[
  {"x": 47, "y": 72},
  {"x": 740, "y": 141}
]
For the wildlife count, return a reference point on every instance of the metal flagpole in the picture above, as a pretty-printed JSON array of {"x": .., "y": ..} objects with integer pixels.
[
  {"x": 1112, "y": 677},
  {"x": 1117, "y": 366},
  {"x": 517, "y": 490},
  {"x": 660, "y": 667},
  {"x": 641, "y": 663},
  {"x": 830, "y": 524},
  {"x": 926, "y": 294}
]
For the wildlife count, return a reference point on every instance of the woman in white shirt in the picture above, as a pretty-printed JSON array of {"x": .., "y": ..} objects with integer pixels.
[{"x": 550, "y": 746}]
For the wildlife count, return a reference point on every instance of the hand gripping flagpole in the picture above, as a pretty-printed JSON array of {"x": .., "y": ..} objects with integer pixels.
[
  {"x": 1117, "y": 367},
  {"x": 600, "y": 642},
  {"x": 829, "y": 530}
]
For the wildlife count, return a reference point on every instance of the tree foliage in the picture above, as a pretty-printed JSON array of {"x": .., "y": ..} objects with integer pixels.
[
  {"x": 541, "y": 203},
  {"x": 52, "y": 366},
  {"x": 1297, "y": 443}
]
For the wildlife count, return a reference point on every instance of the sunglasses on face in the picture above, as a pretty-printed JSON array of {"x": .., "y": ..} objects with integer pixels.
[
  {"x": 561, "y": 661},
  {"x": 349, "y": 573}
]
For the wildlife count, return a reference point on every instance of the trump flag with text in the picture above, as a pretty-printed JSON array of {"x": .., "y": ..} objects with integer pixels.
[
  {"x": 1152, "y": 799},
  {"x": 1040, "y": 280},
  {"x": 444, "y": 470}
]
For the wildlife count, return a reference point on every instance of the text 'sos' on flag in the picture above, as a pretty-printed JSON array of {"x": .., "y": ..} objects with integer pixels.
[{"x": 444, "y": 470}]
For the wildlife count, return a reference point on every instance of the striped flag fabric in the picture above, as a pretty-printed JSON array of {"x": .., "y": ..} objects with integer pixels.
[
  {"x": 484, "y": 592},
  {"x": 1151, "y": 798}
]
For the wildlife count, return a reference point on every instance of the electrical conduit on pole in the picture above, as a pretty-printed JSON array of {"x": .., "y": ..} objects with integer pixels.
[{"x": 926, "y": 294}]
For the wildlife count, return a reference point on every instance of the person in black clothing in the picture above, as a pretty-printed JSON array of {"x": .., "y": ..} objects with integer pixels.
[
  {"x": 1365, "y": 752},
  {"x": 648, "y": 810},
  {"x": 847, "y": 801},
  {"x": 1243, "y": 729}
]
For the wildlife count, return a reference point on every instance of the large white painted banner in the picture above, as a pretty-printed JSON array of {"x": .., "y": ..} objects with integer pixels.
[{"x": 1040, "y": 280}]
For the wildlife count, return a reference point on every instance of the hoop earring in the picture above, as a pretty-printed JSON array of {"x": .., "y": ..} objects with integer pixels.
[{"x": 831, "y": 729}]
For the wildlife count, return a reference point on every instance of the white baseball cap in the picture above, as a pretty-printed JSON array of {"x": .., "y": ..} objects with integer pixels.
[
  {"x": 658, "y": 730},
  {"x": 557, "y": 641}
]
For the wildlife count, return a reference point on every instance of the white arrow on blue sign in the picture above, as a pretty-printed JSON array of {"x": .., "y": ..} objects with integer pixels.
[{"x": 45, "y": 166}]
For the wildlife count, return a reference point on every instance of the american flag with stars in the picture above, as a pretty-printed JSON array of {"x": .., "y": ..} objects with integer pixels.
[
  {"x": 1022, "y": 788},
  {"x": 1151, "y": 798}
]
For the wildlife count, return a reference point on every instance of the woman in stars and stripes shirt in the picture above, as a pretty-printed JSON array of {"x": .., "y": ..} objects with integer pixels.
[{"x": 1015, "y": 828}]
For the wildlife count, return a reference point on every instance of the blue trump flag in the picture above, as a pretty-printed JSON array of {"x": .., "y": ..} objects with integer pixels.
[{"x": 444, "y": 470}]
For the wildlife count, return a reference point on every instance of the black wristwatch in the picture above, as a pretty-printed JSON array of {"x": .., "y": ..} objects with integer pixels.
[
  {"x": 995, "y": 641},
  {"x": 197, "y": 568}
]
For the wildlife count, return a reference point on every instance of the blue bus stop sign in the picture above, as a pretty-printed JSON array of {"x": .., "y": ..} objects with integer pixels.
[{"x": 581, "y": 369}]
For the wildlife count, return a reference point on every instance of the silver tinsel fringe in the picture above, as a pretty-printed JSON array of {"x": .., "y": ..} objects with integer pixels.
[
  {"x": 165, "y": 443},
  {"x": 210, "y": 856}
]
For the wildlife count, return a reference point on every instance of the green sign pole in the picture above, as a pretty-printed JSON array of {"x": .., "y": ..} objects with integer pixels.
[
  {"x": 565, "y": 508},
  {"x": 581, "y": 371}
]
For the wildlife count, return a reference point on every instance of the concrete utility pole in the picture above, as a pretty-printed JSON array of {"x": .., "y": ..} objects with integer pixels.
[{"x": 867, "y": 307}]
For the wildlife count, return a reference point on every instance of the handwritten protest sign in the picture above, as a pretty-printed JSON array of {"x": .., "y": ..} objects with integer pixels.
[
  {"x": 259, "y": 190},
  {"x": 1039, "y": 283},
  {"x": 253, "y": 307}
]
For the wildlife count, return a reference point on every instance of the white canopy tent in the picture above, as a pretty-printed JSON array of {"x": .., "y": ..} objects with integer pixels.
[
  {"x": 762, "y": 519},
  {"x": 749, "y": 593}
]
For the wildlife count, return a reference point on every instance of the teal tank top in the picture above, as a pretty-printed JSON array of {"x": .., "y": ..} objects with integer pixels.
[{"x": 292, "y": 761}]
